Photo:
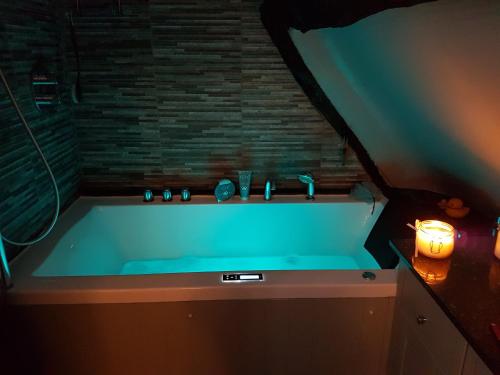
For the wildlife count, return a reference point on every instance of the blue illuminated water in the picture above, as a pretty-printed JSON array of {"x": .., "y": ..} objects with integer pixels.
[
  {"x": 134, "y": 239},
  {"x": 221, "y": 264}
]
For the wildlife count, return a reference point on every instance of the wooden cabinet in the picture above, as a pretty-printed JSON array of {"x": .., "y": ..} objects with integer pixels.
[
  {"x": 338, "y": 336},
  {"x": 474, "y": 365},
  {"x": 424, "y": 341}
]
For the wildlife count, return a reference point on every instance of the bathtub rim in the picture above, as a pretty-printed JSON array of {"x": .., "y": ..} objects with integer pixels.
[
  {"x": 203, "y": 286},
  {"x": 29, "y": 289},
  {"x": 29, "y": 259}
]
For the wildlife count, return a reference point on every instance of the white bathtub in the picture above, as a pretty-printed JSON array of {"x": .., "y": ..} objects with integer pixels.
[{"x": 124, "y": 250}]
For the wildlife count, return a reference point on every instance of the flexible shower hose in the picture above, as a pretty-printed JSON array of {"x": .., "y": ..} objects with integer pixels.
[{"x": 45, "y": 163}]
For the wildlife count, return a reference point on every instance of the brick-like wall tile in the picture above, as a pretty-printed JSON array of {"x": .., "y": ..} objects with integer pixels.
[
  {"x": 29, "y": 29},
  {"x": 187, "y": 92}
]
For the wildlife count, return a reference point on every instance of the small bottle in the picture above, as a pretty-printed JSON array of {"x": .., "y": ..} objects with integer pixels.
[{"x": 497, "y": 244}]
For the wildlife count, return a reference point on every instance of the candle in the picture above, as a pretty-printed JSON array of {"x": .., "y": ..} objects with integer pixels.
[
  {"x": 494, "y": 277},
  {"x": 497, "y": 244},
  {"x": 434, "y": 239}
]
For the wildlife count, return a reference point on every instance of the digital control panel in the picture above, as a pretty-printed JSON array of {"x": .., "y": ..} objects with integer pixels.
[{"x": 241, "y": 277}]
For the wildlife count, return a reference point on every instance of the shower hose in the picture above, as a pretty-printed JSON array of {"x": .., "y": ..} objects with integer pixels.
[{"x": 45, "y": 163}]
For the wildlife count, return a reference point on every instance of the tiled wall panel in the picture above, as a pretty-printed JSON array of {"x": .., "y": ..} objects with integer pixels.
[
  {"x": 28, "y": 30},
  {"x": 183, "y": 92}
]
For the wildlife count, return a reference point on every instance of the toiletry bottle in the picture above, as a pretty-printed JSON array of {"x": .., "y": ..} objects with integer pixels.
[{"x": 245, "y": 179}]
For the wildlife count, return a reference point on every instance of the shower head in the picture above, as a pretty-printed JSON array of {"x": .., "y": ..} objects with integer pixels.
[{"x": 306, "y": 178}]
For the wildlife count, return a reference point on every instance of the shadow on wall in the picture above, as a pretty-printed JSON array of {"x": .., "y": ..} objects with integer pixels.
[{"x": 426, "y": 78}]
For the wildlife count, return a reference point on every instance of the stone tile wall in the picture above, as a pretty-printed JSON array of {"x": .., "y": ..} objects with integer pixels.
[
  {"x": 187, "y": 92},
  {"x": 29, "y": 30}
]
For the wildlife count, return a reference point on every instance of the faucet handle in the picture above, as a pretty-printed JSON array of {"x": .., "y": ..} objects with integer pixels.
[
  {"x": 166, "y": 195},
  {"x": 148, "y": 196},
  {"x": 185, "y": 195}
]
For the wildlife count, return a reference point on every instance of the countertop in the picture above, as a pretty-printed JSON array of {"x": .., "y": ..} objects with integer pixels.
[{"x": 466, "y": 286}]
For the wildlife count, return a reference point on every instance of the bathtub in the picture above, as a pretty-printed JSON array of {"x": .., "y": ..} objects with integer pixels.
[{"x": 121, "y": 250}]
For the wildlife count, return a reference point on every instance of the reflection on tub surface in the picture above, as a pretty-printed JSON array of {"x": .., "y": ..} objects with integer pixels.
[
  {"x": 122, "y": 238},
  {"x": 215, "y": 264}
]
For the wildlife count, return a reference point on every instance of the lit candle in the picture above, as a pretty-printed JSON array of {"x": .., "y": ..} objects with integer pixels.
[
  {"x": 435, "y": 239},
  {"x": 494, "y": 277},
  {"x": 497, "y": 245}
]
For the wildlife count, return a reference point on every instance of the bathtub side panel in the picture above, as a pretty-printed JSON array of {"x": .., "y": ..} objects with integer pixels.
[{"x": 340, "y": 336}]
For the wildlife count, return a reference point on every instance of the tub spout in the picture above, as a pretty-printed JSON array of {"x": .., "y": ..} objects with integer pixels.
[{"x": 307, "y": 178}]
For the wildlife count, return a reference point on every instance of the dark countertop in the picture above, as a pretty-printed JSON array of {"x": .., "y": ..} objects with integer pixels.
[{"x": 470, "y": 292}]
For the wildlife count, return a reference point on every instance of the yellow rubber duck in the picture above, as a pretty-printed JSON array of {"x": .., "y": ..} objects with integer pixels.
[{"x": 454, "y": 207}]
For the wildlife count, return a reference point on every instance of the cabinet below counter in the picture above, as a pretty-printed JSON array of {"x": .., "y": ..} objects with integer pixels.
[{"x": 445, "y": 308}]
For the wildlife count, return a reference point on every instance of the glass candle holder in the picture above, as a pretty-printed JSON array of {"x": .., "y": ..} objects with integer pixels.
[
  {"x": 494, "y": 277},
  {"x": 497, "y": 243},
  {"x": 434, "y": 239},
  {"x": 433, "y": 271}
]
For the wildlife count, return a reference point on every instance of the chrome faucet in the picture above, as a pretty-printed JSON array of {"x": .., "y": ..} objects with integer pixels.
[
  {"x": 268, "y": 188},
  {"x": 307, "y": 178}
]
